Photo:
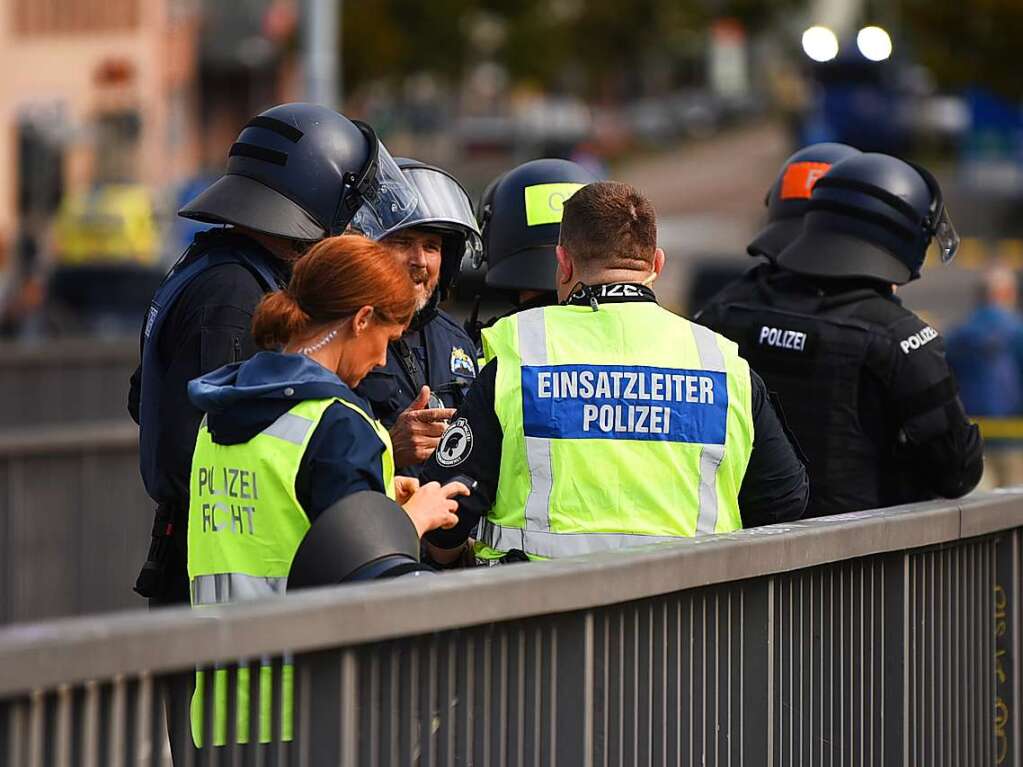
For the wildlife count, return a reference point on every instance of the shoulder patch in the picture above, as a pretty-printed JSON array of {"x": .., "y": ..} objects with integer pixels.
[
  {"x": 456, "y": 444},
  {"x": 461, "y": 363}
]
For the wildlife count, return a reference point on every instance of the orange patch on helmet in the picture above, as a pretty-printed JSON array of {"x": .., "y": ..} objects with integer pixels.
[{"x": 799, "y": 178}]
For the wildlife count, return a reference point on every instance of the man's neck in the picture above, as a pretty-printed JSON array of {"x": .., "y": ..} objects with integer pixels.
[{"x": 280, "y": 248}]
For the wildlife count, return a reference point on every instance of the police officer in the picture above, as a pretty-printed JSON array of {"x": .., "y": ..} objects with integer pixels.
[
  {"x": 520, "y": 219},
  {"x": 285, "y": 437},
  {"x": 786, "y": 202},
  {"x": 297, "y": 173},
  {"x": 607, "y": 421},
  {"x": 863, "y": 381},
  {"x": 431, "y": 366}
]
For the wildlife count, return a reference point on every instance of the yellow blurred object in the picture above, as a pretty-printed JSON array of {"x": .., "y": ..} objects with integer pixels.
[
  {"x": 1000, "y": 428},
  {"x": 110, "y": 224}
]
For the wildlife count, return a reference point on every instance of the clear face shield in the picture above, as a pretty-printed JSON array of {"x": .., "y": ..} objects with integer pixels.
[
  {"x": 388, "y": 199},
  {"x": 938, "y": 222},
  {"x": 442, "y": 203},
  {"x": 946, "y": 236}
]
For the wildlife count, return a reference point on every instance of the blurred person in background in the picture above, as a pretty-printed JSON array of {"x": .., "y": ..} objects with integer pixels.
[
  {"x": 284, "y": 437},
  {"x": 520, "y": 220},
  {"x": 606, "y": 421},
  {"x": 786, "y": 203},
  {"x": 863, "y": 381},
  {"x": 296, "y": 174},
  {"x": 986, "y": 353},
  {"x": 430, "y": 367}
]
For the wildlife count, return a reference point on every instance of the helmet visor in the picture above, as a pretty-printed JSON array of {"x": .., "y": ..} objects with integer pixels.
[
  {"x": 946, "y": 236},
  {"x": 388, "y": 199},
  {"x": 442, "y": 204}
]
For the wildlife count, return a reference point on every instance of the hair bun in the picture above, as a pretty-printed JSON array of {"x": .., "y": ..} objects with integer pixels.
[{"x": 278, "y": 319}]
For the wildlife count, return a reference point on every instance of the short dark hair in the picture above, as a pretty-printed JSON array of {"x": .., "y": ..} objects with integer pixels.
[{"x": 610, "y": 224}]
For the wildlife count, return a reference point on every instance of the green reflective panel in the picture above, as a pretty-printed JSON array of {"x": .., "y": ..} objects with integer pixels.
[{"x": 545, "y": 203}]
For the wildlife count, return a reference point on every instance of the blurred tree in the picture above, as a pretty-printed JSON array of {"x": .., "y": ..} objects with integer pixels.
[
  {"x": 603, "y": 48},
  {"x": 974, "y": 43}
]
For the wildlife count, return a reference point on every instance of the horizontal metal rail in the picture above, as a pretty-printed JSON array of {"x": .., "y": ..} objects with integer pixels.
[
  {"x": 74, "y": 520},
  {"x": 65, "y": 381},
  {"x": 885, "y": 637}
]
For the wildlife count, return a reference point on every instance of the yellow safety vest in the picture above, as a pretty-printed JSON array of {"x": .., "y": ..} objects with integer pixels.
[
  {"x": 244, "y": 526},
  {"x": 622, "y": 426}
]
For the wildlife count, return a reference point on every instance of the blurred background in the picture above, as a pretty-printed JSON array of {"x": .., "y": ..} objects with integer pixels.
[{"x": 115, "y": 112}]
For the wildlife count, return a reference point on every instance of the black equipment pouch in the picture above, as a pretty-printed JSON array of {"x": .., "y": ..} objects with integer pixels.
[{"x": 150, "y": 581}]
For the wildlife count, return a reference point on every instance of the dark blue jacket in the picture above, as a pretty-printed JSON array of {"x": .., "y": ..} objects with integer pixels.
[
  {"x": 242, "y": 399},
  {"x": 200, "y": 319},
  {"x": 435, "y": 351}
]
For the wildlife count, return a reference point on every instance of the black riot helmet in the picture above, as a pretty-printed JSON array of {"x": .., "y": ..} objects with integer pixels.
[
  {"x": 443, "y": 206},
  {"x": 363, "y": 536},
  {"x": 789, "y": 196},
  {"x": 301, "y": 171},
  {"x": 520, "y": 219},
  {"x": 872, "y": 216}
]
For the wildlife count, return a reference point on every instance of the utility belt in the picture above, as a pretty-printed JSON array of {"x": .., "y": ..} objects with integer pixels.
[{"x": 152, "y": 581}]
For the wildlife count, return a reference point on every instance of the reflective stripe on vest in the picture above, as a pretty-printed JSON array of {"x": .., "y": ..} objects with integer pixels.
[
  {"x": 219, "y": 588},
  {"x": 568, "y": 505}
]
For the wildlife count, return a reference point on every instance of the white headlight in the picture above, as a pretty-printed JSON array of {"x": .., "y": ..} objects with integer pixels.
[
  {"x": 820, "y": 44},
  {"x": 874, "y": 43}
]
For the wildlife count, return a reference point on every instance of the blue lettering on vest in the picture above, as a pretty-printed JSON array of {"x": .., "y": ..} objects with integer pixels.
[{"x": 624, "y": 402}]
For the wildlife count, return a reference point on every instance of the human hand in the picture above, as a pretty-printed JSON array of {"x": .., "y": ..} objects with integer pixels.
[
  {"x": 417, "y": 432},
  {"x": 404, "y": 489},
  {"x": 433, "y": 506}
]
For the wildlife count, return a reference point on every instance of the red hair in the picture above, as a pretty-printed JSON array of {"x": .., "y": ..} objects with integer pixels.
[{"x": 333, "y": 280}]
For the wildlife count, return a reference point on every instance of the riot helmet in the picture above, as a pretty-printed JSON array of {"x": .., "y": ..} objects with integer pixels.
[
  {"x": 872, "y": 216},
  {"x": 301, "y": 171},
  {"x": 520, "y": 219},
  {"x": 443, "y": 206},
  {"x": 788, "y": 197},
  {"x": 363, "y": 536}
]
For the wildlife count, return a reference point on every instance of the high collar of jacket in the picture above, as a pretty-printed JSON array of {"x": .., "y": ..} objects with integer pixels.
[{"x": 242, "y": 399}]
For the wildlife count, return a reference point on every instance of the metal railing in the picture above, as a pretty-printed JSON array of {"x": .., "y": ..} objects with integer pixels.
[
  {"x": 74, "y": 520},
  {"x": 888, "y": 637},
  {"x": 65, "y": 381}
]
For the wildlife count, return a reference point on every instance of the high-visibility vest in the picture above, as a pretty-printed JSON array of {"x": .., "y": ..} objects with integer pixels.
[
  {"x": 622, "y": 426},
  {"x": 245, "y": 524}
]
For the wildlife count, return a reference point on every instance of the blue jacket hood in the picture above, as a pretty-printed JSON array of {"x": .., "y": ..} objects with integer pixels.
[{"x": 243, "y": 398}]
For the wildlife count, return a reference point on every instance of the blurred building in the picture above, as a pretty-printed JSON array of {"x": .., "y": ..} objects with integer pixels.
[
  {"x": 95, "y": 91},
  {"x": 137, "y": 91}
]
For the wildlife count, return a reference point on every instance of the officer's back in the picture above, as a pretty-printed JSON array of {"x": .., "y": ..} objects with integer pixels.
[{"x": 863, "y": 381}]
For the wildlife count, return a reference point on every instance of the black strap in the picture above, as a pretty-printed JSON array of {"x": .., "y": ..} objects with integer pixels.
[
  {"x": 281, "y": 128},
  {"x": 408, "y": 362},
  {"x": 254, "y": 152},
  {"x": 611, "y": 293}
]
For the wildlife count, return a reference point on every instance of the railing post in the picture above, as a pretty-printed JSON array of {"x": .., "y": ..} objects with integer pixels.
[
  {"x": 1007, "y": 644},
  {"x": 326, "y": 718},
  {"x": 759, "y": 672},
  {"x": 896, "y": 646},
  {"x": 573, "y": 690}
]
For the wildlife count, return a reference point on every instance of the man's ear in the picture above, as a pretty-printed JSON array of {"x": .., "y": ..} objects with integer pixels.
[
  {"x": 565, "y": 268},
  {"x": 658, "y": 261}
]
